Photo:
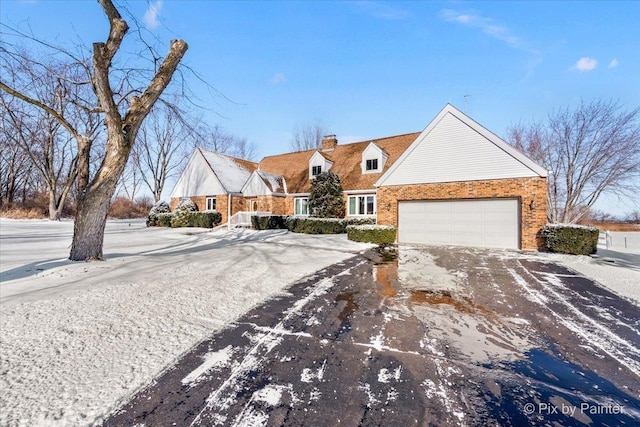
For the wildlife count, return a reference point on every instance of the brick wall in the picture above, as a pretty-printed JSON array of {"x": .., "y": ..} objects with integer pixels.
[{"x": 531, "y": 191}]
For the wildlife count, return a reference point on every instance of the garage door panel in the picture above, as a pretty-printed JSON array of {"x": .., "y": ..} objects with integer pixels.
[{"x": 484, "y": 223}]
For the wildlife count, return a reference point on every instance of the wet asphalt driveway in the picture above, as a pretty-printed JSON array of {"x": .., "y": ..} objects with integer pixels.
[{"x": 436, "y": 336}]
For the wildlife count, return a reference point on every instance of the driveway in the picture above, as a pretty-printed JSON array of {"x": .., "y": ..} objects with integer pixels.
[{"x": 434, "y": 336}]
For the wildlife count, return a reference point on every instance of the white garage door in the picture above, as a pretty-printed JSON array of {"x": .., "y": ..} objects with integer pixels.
[{"x": 490, "y": 223}]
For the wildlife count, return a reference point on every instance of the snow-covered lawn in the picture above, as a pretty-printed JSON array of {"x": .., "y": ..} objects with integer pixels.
[
  {"x": 76, "y": 339},
  {"x": 616, "y": 268}
]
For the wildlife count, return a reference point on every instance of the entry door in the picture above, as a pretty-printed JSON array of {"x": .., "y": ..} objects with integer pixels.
[{"x": 490, "y": 223}]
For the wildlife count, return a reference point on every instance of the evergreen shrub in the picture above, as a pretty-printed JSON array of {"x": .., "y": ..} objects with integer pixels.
[
  {"x": 378, "y": 234},
  {"x": 307, "y": 225},
  {"x": 206, "y": 219},
  {"x": 164, "y": 219},
  {"x": 161, "y": 207},
  {"x": 182, "y": 214},
  {"x": 570, "y": 239}
]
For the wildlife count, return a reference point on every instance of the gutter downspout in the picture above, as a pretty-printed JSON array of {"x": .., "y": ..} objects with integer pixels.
[{"x": 228, "y": 211}]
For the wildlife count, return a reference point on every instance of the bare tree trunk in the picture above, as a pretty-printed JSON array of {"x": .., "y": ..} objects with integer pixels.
[
  {"x": 54, "y": 208},
  {"x": 89, "y": 225}
]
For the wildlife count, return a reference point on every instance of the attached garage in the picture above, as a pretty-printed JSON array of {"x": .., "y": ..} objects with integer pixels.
[
  {"x": 460, "y": 184},
  {"x": 489, "y": 223}
]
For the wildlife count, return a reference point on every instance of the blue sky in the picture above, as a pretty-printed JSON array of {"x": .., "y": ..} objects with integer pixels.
[{"x": 373, "y": 69}]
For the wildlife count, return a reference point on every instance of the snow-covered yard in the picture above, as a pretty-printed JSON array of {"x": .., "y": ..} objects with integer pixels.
[
  {"x": 617, "y": 267},
  {"x": 77, "y": 339}
]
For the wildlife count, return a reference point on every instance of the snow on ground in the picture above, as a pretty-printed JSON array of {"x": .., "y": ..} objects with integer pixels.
[
  {"x": 616, "y": 268},
  {"x": 77, "y": 339}
]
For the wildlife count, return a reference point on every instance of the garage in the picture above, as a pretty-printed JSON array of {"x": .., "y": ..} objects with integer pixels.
[{"x": 489, "y": 223}]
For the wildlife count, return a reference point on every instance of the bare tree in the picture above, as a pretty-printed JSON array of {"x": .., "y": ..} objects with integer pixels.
[
  {"x": 308, "y": 137},
  {"x": 219, "y": 140},
  {"x": 49, "y": 146},
  {"x": 123, "y": 107},
  {"x": 15, "y": 167},
  {"x": 164, "y": 145},
  {"x": 589, "y": 151}
]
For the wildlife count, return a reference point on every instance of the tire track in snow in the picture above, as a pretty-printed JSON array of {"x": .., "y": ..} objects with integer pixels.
[
  {"x": 225, "y": 395},
  {"x": 589, "y": 329}
]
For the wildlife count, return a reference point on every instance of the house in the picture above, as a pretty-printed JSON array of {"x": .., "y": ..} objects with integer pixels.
[{"x": 454, "y": 183}]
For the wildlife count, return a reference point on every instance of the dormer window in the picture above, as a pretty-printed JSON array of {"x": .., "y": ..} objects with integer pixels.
[
  {"x": 373, "y": 159},
  {"x": 318, "y": 163},
  {"x": 372, "y": 165}
]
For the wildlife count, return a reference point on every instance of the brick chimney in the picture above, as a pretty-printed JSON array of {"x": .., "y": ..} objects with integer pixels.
[{"x": 329, "y": 142}]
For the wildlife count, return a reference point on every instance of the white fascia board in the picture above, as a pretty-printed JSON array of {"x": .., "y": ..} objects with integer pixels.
[
  {"x": 298, "y": 194},
  {"x": 372, "y": 191}
]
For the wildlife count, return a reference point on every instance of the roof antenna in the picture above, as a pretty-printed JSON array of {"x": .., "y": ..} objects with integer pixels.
[{"x": 465, "y": 103}]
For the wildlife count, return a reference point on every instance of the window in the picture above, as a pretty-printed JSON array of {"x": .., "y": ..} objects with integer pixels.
[
  {"x": 316, "y": 170},
  {"x": 301, "y": 206},
  {"x": 372, "y": 165},
  {"x": 362, "y": 205},
  {"x": 211, "y": 203}
]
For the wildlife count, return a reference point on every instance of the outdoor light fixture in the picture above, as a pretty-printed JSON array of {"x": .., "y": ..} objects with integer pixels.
[{"x": 532, "y": 205}]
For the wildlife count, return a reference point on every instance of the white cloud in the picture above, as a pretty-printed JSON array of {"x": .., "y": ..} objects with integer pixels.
[
  {"x": 151, "y": 16},
  {"x": 613, "y": 63},
  {"x": 278, "y": 78},
  {"x": 585, "y": 64},
  {"x": 484, "y": 24}
]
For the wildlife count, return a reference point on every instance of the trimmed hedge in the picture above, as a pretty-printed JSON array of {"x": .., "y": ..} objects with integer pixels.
[
  {"x": 164, "y": 219},
  {"x": 205, "y": 219},
  {"x": 570, "y": 239},
  {"x": 307, "y": 225},
  {"x": 378, "y": 234},
  {"x": 271, "y": 222}
]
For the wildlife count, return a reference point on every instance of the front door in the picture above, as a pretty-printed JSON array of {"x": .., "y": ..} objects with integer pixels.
[{"x": 252, "y": 205}]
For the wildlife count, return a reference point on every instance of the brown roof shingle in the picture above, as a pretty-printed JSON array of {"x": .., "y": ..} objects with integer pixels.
[{"x": 346, "y": 158}]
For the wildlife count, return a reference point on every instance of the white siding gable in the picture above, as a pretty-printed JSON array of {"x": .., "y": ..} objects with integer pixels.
[
  {"x": 455, "y": 148},
  {"x": 255, "y": 186},
  {"x": 197, "y": 179},
  {"x": 319, "y": 160},
  {"x": 373, "y": 152}
]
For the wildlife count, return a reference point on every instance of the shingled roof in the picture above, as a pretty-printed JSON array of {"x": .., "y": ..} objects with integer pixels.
[{"x": 346, "y": 158}]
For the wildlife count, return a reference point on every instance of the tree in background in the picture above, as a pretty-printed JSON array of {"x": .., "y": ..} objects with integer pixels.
[
  {"x": 164, "y": 145},
  {"x": 48, "y": 145},
  {"x": 219, "y": 140},
  {"x": 589, "y": 151},
  {"x": 325, "y": 198},
  {"x": 308, "y": 137},
  {"x": 122, "y": 101}
]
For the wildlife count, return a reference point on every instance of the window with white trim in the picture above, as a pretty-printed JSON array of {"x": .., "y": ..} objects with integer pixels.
[
  {"x": 362, "y": 205},
  {"x": 211, "y": 203},
  {"x": 316, "y": 170},
  {"x": 371, "y": 165},
  {"x": 301, "y": 206}
]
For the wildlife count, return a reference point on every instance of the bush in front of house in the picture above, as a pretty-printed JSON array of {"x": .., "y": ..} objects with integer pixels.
[
  {"x": 206, "y": 219},
  {"x": 325, "y": 198},
  {"x": 164, "y": 219},
  {"x": 570, "y": 239},
  {"x": 182, "y": 214},
  {"x": 307, "y": 225},
  {"x": 378, "y": 234},
  {"x": 269, "y": 222},
  {"x": 161, "y": 207}
]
